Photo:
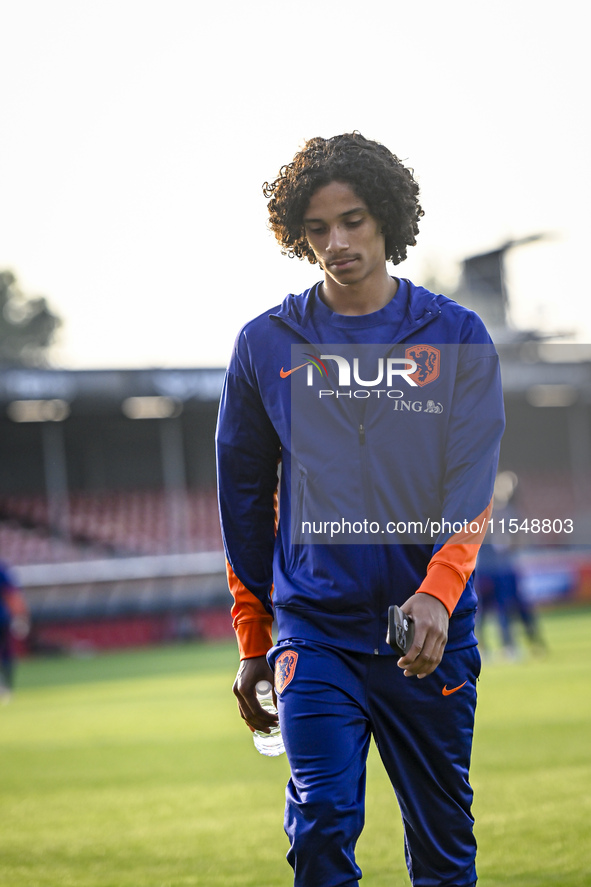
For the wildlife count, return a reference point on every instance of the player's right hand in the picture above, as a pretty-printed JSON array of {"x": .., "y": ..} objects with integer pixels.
[
  {"x": 431, "y": 626},
  {"x": 252, "y": 671}
]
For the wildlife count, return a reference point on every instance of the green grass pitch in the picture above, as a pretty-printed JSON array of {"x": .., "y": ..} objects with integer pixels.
[{"x": 134, "y": 769}]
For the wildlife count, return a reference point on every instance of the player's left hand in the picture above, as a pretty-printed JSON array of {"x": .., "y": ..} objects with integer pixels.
[{"x": 431, "y": 621}]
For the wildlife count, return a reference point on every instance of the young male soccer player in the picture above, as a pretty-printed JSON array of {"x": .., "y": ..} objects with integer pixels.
[{"x": 381, "y": 402}]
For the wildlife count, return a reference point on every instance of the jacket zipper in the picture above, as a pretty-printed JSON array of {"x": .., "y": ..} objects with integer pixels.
[{"x": 368, "y": 495}]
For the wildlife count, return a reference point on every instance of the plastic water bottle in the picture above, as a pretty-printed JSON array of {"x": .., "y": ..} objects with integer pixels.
[{"x": 270, "y": 744}]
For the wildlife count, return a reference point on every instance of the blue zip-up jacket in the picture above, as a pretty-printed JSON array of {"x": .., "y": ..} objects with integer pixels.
[{"x": 364, "y": 456}]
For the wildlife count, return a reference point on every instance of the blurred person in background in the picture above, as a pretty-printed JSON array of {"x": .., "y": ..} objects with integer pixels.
[
  {"x": 498, "y": 582},
  {"x": 14, "y": 623}
]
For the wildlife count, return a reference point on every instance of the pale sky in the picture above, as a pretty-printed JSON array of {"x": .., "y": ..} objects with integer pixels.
[{"x": 136, "y": 137}]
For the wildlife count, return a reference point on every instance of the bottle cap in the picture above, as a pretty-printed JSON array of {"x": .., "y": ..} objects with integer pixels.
[{"x": 263, "y": 688}]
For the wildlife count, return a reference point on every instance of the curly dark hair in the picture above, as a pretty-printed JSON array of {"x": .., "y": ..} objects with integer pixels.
[{"x": 375, "y": 174}]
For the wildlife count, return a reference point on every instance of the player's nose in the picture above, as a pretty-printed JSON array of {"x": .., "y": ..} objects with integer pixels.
[{"x": 337, "y": 239}]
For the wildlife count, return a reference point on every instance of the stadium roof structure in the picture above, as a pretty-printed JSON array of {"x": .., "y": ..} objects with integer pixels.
[
  {"x": 483, "y": 288},
  {"x": 108, "y": 389}
]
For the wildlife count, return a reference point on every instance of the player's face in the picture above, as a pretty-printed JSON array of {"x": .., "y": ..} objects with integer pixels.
[{"x": 346, "y": 239}]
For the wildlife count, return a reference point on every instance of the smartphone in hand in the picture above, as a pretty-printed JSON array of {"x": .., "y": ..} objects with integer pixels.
[{"x": 401, "y": 630}]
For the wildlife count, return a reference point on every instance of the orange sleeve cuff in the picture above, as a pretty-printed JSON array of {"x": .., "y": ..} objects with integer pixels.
[
  {"x": 252, "y": 623},
  {"x": 445, "y": 583},
  {"x": 450, "y": 568},
  {"x": 254, "y": 638}
]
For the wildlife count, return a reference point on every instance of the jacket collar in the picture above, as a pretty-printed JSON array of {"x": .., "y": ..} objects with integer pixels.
[{"x": 295, "y": 310}]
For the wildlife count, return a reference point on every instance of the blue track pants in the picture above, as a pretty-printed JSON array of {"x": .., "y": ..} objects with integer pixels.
[{"x": 332, "y": 701}]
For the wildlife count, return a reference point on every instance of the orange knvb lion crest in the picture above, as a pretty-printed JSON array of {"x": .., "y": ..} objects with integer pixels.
[
  {"x": 285, "y": 665},
  {"x": 428, "y": 361}
]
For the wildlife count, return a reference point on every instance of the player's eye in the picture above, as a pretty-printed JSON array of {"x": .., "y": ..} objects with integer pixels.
[{"x": 354, "y": 223}]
